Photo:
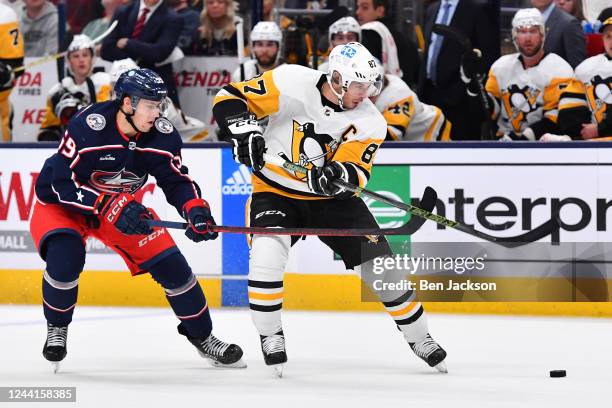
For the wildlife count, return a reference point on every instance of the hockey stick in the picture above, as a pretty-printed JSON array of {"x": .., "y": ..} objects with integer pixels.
[
  {"x": 509, "y": 242},
  {"x": 466, "y": 44},
  {"x": 428, "y": 201},
  {"x": 240, "y": 46},
  {"x": 64, "y": 53}
]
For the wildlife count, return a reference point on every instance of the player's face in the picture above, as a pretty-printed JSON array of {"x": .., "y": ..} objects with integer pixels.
[
  {"x": 607, "y": 40},
  {"x": 80, "y": 62},
  {"x": 265, "y": 52},
  {"x": 344, "y": 38},
  {"x": 366, "y": 11},
  {"x": 529, "y": 40},
  {"x": 355, "y": 94},
  {"x": 151, "y": 3},
  {"x": 146, "y": 113},
  {"x": 216, "y": 8}
]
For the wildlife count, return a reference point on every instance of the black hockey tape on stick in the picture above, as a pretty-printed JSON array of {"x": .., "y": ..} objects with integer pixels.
[
  {"x": 428, "y": 201},
  {"x": 509, "y": 242}
]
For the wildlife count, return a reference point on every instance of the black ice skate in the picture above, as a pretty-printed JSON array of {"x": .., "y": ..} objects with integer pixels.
[
  {"x": 430, "y": 352},
  {"x": 217, "y": 352},
  {"x": 275, "y": 354},
  {"x": 55, "y": 345}
]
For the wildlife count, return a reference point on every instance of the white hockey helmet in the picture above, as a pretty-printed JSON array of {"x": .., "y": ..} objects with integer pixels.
[
  {"x": 344, "y": 25},
  {"x": 528, "y": 17},
  {"x": 354, "y": 63},
  {"x": 266, "y": 31},
  {"x": 119, "y": 67},
  {"x": 81, "y": 42}
]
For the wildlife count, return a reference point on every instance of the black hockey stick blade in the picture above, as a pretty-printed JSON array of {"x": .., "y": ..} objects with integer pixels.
[
  {"x": 531, "y": 236},
  {"x": 428, "y": 202}
]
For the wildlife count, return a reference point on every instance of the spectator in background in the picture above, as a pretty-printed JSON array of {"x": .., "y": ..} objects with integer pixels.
[
  {"x": 573, "y": 7},
  {"x": 217, "y": 31},
  {"x": 147, "y": 32},
  {"x": 95, "y": 28},
  {"x": 564, "y": 35},
  {"x": 398, "y": 54},
  {"x": 81, "y": 12},
  {"x": 191, "y": 21},
  {"x": 38, "y": 22},
  {"x": 440, "y": 83}
]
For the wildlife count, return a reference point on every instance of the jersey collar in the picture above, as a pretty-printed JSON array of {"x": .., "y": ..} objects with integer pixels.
[{"x": 324, "y": 100}]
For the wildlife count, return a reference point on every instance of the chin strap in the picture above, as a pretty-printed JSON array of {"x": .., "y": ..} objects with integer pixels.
[
  {"x": 340, "y": 96},
  {"x": 128, "y": 117}
]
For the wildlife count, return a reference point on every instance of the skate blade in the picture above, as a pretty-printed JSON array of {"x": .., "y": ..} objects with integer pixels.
[
  {"x": 214, "y": 363},
  {"x": 278, "y": 370},
  {"x": 55, "y": 366},
  {"x": 441, "y": 367}
]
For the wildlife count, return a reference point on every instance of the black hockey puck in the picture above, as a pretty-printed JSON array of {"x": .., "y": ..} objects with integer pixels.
[{"x": 557, "y": 373}]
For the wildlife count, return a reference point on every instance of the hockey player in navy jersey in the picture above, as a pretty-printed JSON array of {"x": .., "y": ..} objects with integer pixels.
[{"x": 86, "y": 189}]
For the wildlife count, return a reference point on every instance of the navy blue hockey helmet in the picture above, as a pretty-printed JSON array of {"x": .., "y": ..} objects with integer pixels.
[{"x": 140, "y": 83}]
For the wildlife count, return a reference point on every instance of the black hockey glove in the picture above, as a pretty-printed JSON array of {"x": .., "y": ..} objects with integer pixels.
[
  {"x": 249, "y": 144},
  {"x": 321, "y": 179},
  {"x": 6, "y": 74},
  {"x": 66, "y": 104},
  {"x": 197, "y": 212},
  {"x": 471, "y": 69},
  {"x": 125, "y": 213}
]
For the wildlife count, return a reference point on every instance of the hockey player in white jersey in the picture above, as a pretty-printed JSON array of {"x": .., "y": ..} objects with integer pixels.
[
  {"x": 407, "y": 117},
  {"x": 266, "y": 42},
  {"x": 595, "y": 75},
  {"x": 342, "y": 31},
  {"x": 525, "y": 87},
  {"x": 77, "y": 90},
  {"x": 326, "y": 123}
]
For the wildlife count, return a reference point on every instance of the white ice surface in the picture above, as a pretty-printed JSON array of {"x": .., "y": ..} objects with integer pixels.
[{"x": 133, "y": 357}]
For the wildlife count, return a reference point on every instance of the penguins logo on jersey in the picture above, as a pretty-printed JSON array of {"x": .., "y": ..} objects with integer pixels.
[
  {"x": 599, "y": 93},
  {"x": 95, "y": 121},
  {"x": 163, "y": 125},
  {"x": 519, "y": 102},
  {"x": 311, "y": 148},
  {"x": 121, "y": 181}
]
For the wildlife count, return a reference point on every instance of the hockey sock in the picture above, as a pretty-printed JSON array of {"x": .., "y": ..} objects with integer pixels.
[
  {"x": 184, "y": 294},
  {"x": 269, "y": 256},
  {"x": 65, "y": 257}
]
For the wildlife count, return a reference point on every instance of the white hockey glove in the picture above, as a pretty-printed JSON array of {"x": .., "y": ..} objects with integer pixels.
[
  {"x": 321, "y": 179},
  {"x": 249, "y": 144},
  {"x": 549, "y": 137},
  {"x": 526, "y": 136}
]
